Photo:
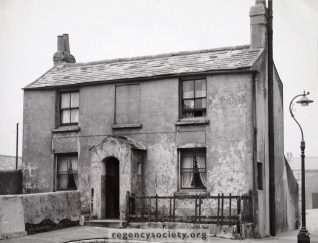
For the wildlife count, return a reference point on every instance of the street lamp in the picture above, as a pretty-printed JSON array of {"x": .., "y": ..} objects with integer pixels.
[{"x": 303, "y": 234}]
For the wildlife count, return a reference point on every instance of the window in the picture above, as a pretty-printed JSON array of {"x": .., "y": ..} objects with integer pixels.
[
  {"x": 67, "y": 172},
  {"x": 69, "y": 107},
  {"x": 193, "y": 168},
  {"x": 259, "y": 176},
  {"x": 127, "y": 104},
  {"x": 193, "y": 98}
]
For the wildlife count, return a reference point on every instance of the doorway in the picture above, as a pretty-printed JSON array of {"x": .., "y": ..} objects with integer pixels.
[{"x": 112, "y": 188}]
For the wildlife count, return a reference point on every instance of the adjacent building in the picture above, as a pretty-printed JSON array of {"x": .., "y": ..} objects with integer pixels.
[
  {"x": 311, "y": 175},
  {"x": 193, "y": 122}
]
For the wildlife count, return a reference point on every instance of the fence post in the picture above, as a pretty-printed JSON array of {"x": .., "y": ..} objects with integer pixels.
[
  {"x": 195, "y": 208},
  {"x": 239, "y": 215},
  {"x": 170, "y": 209},
  {"x": 222, "y": 209},
  {"x": 156, "y": 207},
  {"x": 149, "y": 209},
  {"x": 199, "y": 209},
  {"x": 174, "y": 207},
  {"x": 230, "y": 209},
  {"x": 218, "y": 209}
]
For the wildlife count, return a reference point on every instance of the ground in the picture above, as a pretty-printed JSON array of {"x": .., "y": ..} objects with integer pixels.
[{"x": 88, "y": 232}]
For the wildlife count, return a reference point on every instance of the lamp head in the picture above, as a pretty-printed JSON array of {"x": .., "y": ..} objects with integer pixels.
[{"x": 304, "y": 101}]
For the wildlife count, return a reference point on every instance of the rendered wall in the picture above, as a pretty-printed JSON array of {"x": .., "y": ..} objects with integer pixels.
[
  {"x": 33, "y": 209},
  {"x": 11, "y": 217},
  {"x": 38, "y": 122},
  {"x": 10, "y": 182},
  {"x": 285, "y": 187},
  {"x": 228, "y": 136}
]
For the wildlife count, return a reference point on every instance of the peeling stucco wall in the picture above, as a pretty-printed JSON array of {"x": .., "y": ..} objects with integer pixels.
[
  {"x": 227, "y": 139},
  {"x": 38, "y": 122},
  {"x": 18, "y": 210}
]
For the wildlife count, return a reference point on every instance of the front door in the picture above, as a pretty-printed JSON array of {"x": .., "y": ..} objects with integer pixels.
[{"x": 112, "y": 189}]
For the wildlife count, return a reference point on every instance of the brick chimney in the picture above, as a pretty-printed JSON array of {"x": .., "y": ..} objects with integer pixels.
[
  {"x": 63, "y": 54},
  {"x": 258, "y": 22}
]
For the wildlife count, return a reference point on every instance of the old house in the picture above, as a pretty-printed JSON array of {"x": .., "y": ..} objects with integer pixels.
[{"x": 187, "y": 123}]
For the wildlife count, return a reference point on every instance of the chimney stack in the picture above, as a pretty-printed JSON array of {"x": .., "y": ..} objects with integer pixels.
[
  {"x": 258, "y": 22},
  {"x": 63, "y": 54}
]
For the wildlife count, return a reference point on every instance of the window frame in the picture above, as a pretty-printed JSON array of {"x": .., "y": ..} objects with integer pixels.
[
  {"x": 116, "y": 122},
  {"x": 181, "y": 99},
  {"x": 69, "y": 108},
  {"x": 196, "y": 150},
  {"x": 56, "y": 174}
]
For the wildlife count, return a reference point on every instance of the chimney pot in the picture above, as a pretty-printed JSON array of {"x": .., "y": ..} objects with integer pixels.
[
  {"x": 260, "y": 2},
  {"x": 60, "y": 43},
  {"x": 63, "y": 54},
  {"x": 66, "y": 43}
]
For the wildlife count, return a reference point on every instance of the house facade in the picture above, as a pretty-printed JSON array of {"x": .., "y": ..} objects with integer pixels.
[{"x": 182, "y": 123}]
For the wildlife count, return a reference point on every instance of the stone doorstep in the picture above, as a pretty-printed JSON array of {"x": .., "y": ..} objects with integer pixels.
[
  {"x": 108, "y": 223},
  {"x": 4, "y": 236}
]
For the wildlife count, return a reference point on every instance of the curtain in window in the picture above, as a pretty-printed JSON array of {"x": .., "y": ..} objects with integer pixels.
[
  {"x": 67, "y": 172},
  {"x": 187, "y": 168}
]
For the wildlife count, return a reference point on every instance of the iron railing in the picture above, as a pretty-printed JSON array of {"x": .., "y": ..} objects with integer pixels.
[{"x": 202, "y": 209}]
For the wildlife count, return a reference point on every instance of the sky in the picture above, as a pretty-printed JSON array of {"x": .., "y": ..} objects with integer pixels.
[{"x": 105, "y": 29}]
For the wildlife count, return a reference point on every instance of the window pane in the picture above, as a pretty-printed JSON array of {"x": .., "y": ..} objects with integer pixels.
[
  {"x": 74, "y": 116},
  {"x": 200, "y": 88},
  {"x": 187, "y": 161},
  {"x": 62, "y": 182},
  {"x": 75, "y": 99},
  {"x": 62, "y": 165},
  {"x": 188, "y": 89},
  {"x": 65, "y": 100},
  {"x": 74, "y": 163},
  {"x": 200, "y": 103},
  {"x": 188, "y": 104},
  {"x": 186, "y": 180},
  {"x": 65, "y": 116}
]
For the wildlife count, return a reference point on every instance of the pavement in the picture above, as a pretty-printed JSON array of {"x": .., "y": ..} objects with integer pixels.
[{"x": 101, "y": 234}]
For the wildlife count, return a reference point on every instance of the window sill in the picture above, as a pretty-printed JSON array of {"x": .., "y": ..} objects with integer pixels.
[
  {"x": 123, "y": 126},
  {"x": 71, "y": 128},
  {"x": 192, "y": 192},
  {"x": 192, "y": 121}
]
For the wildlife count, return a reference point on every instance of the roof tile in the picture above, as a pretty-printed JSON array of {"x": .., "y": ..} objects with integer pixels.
[{"x": 229, "y": 58}]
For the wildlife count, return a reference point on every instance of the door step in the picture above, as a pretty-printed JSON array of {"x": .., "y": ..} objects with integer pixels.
[{"x": 109, "y": 223}]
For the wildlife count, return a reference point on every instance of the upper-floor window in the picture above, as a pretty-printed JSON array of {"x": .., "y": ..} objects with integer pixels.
[
  {"x": 67, "y": 172},
  {"x": 69, "y": 107},
  {"x": 193, "y": 98},
  {"x": 127, "y": 104}
]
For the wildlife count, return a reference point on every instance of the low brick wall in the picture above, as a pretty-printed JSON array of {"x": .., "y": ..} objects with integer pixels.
[
  {"x": 40, "y": 211},
  {"x": 10, "y": 182}
]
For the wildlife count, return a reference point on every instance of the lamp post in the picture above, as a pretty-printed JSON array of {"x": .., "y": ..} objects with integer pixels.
[{"x": 303, "y": 234}]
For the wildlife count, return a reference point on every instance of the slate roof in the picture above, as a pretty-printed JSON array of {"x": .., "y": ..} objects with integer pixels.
[
  {"x": 7, "y": 162},
  {"x": 228, "y": 58}
]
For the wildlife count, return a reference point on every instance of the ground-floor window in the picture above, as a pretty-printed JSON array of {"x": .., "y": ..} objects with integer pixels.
[
  {"x": 66, "y": 176},
  {"x": 193, "y": 168}
]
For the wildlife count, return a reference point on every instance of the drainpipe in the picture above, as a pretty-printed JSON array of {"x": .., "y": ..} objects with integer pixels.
[{"x": 271, "y": 140}]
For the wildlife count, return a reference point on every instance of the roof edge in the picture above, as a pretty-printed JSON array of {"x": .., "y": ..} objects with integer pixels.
[
  {"x": 140, "y": 79},
  {"x": 180, "y": 53}
]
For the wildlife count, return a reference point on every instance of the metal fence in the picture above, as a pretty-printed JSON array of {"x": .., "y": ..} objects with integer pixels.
[{"x": 202, "y": 209}]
